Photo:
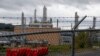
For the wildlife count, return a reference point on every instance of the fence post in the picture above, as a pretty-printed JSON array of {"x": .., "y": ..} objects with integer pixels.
[
  {"x": 73, "y": 43},
  {"x": 73, "y": 37}
]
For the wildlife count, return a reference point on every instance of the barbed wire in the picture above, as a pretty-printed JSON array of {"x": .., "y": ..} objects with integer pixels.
[
  {"x": 60, "y": 21},
  {"x": 70, "y": 22},
  {"x": 74, "y": 21}
]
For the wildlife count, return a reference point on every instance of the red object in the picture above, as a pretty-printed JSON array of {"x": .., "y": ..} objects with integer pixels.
[
  {"x": 40, "y": 51},
  {"x": 46, "y": 50},
  {"x": 8, "y": 52},
  {"x": 34, "y": 52},
  {"x": 22, "y": 52},
  {"x": 14, "y": 52},
  {"x": 28, "y": 52}
]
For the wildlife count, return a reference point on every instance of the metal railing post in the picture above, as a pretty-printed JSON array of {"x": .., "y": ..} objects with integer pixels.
[
  {"x": 73, "y": 43},
  {"x": 73, "y": 37}
]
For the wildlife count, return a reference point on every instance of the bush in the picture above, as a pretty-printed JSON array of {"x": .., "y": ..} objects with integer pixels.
[{"x": 81, "y": 40}]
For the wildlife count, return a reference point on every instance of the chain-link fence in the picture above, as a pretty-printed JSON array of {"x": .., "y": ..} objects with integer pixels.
[{"x": 58, "y": 40}]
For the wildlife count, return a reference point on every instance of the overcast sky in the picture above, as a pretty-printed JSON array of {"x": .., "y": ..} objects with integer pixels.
[{"x": 55, "y": 7}]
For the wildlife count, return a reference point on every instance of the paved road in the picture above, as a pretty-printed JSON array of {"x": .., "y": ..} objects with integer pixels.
[
  {"x": 89, "y": 53},
  {"x": 86, "y": 53}
]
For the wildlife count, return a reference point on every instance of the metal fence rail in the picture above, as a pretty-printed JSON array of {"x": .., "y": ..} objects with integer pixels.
[{"x": 20, "y": 34}]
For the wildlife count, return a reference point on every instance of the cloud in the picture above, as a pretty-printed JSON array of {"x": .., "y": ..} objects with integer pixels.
[
  {"x": 19, "y": 4},
  {"x": 59, "y": 7},
  {"x": 15, "y": 4}
]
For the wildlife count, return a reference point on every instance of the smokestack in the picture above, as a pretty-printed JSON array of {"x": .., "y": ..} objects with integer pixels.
[
  {"x": 23, "y": 23},
  {"x": 23, "y": 19},
  {"x": 44, "y": 14},
  {"x": 23, "y": 28},
  {"x": 35, "y": 20},
  {"x": 94, "y": 23},
  {"x": 76, "y": 19}
]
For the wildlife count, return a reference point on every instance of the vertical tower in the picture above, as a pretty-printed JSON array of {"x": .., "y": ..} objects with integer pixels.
[
  {"x": 35, "y": 20},
  {"x": 23, "y": 28},
  {"x": 76, "y": 19},
  {"x": 94, "y": 22},
  {"x": 44, "y": 14},
  {"x": 23, "y": 20}
]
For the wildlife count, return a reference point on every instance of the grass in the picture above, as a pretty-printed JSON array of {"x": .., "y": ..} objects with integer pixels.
[
  {"x": 59, "y": 48},
  {"x": 84, "y": 50},
  {"x": 67, "y": 48}
]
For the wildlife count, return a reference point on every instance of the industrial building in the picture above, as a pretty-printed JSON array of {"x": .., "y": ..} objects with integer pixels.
[{"x": 39, "y": 26}]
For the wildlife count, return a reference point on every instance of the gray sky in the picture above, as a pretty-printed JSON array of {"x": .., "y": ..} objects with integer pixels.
[{"x": 55, "y": 7}]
